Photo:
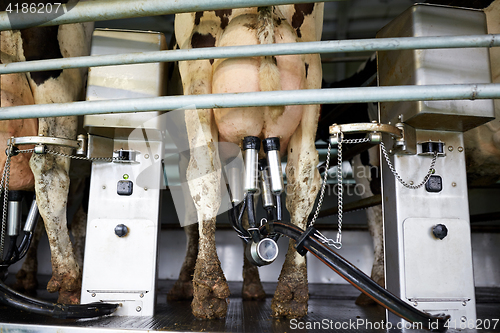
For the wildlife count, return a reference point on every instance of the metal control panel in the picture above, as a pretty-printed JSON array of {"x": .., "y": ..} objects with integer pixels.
[
  {"x": 124, "y": 204},
  {"x": 427, "y": 237}
]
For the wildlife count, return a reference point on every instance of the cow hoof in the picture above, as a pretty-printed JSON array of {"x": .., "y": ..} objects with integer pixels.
[
  {"x": 69, "y": 288},
  {"x": 253, "y": 291},
  {"x": 26, "y": 282},
  {"x": 290, "y": 301},
  {"x": 69, "y": 297},
  {"x": 209, "y": 301},
  {"x": 365, "y": 300},
  {"x": 182, "y": 290}
]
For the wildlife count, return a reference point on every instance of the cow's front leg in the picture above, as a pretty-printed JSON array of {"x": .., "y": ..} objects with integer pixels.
[
  {"x": 210, "y": 288},
  {"x": 366, "y": 173},
  {"x": 292, "y": 293},
  {"x": 52, "y": 186},
  {"x": 252, "y": 287}
]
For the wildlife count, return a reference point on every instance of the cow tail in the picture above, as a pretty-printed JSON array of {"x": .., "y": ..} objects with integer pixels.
[{"x": 269, "y": 75}]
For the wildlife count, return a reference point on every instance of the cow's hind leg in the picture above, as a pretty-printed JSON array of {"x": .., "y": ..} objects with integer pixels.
[
  {"x": 210, "y": 288},
  {"x": 183, "y": 287},
  {"x": 292, "y": 293},
  {"x": 52, "y": 186}
]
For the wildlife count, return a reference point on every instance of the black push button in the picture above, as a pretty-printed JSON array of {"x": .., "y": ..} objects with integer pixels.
[
  {"x": 440, "y": 231},
  {"x": 125, "y": 187},
  {"x": 121, "y": 230},
  {"x": 434, "y": 184}
]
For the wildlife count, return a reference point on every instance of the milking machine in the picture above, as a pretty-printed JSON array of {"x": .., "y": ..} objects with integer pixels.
[
  {"x": 11, "y": 224},
  {"x": 428, "y": 259}
]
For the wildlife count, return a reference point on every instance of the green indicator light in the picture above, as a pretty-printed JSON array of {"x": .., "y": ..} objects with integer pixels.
[{"x": 125, "y": 176}]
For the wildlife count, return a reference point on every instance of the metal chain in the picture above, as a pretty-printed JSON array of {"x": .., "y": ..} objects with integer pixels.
[
  {"x": 4, "y": 187},
  {"x": 398, "y": 177},
  {"x": 338, "y": 242},
  {"x": 53, "y": 152}
]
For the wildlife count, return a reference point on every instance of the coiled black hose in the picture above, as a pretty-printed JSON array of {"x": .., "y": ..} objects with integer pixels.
[{"x": 306, "y": 240}]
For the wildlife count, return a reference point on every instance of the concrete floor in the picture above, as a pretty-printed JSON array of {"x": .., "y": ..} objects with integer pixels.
[{"x": 330, "y": 306}]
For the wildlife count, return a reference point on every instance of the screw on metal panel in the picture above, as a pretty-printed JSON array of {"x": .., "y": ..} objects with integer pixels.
[
  {"x": 450, "y": 148},
  {"x": 464, "y": 303},
  {"x": 146, "y": 156},
  {"x": 138, "y": 309},
  {"x": 157, "y": 156},
  {"x": 145, "y": 189},
  {"x": 411, "y": 182},
  {"x": 460, "y": 149},
  {"x": 415, "y": 303},
  {"x": 454, "y": 184},
  {"x": 463, "y": 319},
  {"x": 93, "y": 295},
  {"x": 141, "y": 295},
  {"x": 104, "y": 187}
]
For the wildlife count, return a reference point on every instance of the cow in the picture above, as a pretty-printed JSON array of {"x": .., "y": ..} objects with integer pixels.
[
  {"x": 50, "y": 177},
  {"x": 294, "y": 125}
]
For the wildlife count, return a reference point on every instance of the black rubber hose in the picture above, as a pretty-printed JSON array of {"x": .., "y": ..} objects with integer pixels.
[
  {"x": 279, "y": 208},
  {"x": 25, "y": 244},
  {"x": 359, "y": 279},
  {"x": 10, "y": 251},
  {"x": 16, "y": 300},
  {"x": 241, "y": 232},
  {"x": 254, "y": 231}
]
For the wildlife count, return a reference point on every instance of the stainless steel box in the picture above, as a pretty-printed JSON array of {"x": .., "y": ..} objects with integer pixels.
[
  {"x": 125, "y": 81},
  {"x": 438, "y": 66}
]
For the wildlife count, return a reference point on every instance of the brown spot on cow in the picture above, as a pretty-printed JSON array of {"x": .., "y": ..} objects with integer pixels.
[
  {"x": 202, "y": 40},
  {"x": 40, "y": 44},
  {"x": 301, "y": 11},
  {"x": 251, "y": 26},
  {"x": 224, "y": 14},
  {"x": 197, "y": 18}
]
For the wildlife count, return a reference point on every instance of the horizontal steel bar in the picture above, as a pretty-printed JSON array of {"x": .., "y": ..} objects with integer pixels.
[
  {"x": 286, "y": 97},
  {"x": 86, "y": 11},
  {"x": 376, "y": 44}
]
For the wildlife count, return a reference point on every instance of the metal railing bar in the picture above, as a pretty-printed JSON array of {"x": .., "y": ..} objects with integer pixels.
[
  {"x": 362, "y": 45},
  {"x": 286, "y": 97},
  {"x": 86, "y": 11}
]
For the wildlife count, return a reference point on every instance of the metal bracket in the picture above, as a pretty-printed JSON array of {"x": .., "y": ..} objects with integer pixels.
[
  {"x": 366, "y": 128},
  {"x": 403, "y": 134},
  {"x": 41, "y": 141}
]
